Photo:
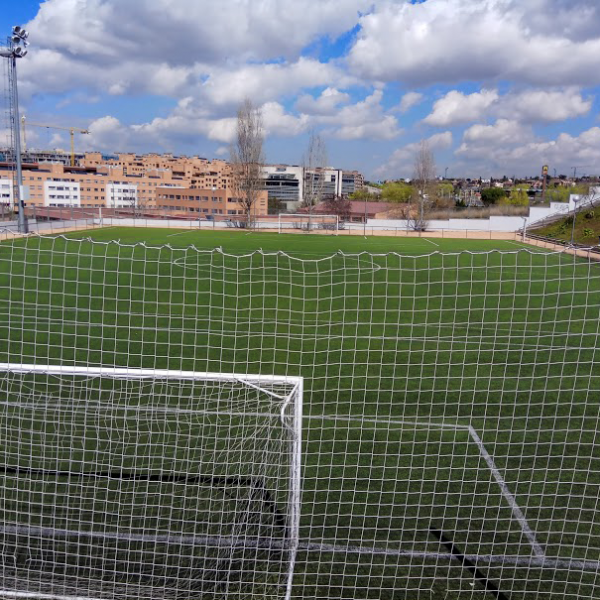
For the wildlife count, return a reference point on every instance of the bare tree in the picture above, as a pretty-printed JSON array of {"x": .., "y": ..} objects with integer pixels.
[
  {"x": 247, "y": 158},
  {"x": 340, "y": 206},
  {"x": 315, "y": 161},
  {"x": 423, "y": 183}
]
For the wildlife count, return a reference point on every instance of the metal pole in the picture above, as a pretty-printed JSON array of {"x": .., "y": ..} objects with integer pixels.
[
  {"x": 14, "y": 117},
  {"x": 574, "y": 219},
  {"x": 421, "y": 217},
  {"x": 365, "y": 221}
]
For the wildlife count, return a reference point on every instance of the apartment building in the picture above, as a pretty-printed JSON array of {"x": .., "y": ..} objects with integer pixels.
[
  {"x": 58, "y": 185},
  {"x": 197, "y": 172},
  {"x": 208, "y": 203},
  {"x": 147, "y": 181}
]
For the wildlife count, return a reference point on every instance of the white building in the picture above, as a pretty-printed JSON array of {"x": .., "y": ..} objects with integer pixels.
[
  {"x": 121, "y": 195},
  {"x": 285, "y": 183},
  {"x": 61, "y": 193},
  {"x": 6, "y": 191}
]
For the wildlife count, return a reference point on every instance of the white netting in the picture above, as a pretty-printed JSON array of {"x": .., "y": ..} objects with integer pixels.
[
  {"x": 146, "y": 487},
  {"x": 450, "y": 435}
]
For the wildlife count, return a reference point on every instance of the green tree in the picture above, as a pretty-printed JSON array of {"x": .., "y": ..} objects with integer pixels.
[
  {"x": 518, "y": 197},
  {"x": 362, "y": 195},
  {"x": 445, "y": 190},
  {"x": 492, "y": 195},
  {"x": 397, "y": 192}
]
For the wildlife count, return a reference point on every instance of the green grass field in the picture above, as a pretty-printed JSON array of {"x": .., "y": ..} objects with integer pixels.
[{"x": 449, "y": 384}]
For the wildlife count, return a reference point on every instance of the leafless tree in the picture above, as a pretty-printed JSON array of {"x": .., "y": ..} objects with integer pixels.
[
  {"x": 423, "y": 183},
  {"x": 315, "y": 161},
  {"x": 247, "y": 158},
  {"x": 340, "y": 206}
]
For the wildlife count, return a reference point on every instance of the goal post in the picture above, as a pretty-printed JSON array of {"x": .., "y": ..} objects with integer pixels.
[
  {"x": 149, "y": 483},
  {"x": 308, "y": 222}
]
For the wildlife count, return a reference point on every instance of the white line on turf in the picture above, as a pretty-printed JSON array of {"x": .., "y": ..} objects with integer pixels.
[
  {"x": 517, "y": 512},
  {"x": 180, "y": 232},
  {"x": 430, "y": 241},
  {"x": 255, "y": 542}
]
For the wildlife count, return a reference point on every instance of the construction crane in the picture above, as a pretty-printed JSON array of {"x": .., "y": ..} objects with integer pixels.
[{"x": 71, "y": 130}]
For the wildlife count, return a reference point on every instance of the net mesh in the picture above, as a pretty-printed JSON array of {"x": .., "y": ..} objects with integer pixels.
[
  {"x": 121, "y": 487},
  {"x": 450, "y": 429}
]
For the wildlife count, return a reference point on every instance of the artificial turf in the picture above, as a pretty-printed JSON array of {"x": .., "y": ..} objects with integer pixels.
[{"x": 404, "y": 344}]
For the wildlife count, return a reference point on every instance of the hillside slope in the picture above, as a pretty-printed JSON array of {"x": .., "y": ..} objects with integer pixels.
[{"x": 587, "y": 228}]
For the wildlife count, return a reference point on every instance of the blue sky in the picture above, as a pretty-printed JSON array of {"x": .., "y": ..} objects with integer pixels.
[{"x": 495, "y": 87}]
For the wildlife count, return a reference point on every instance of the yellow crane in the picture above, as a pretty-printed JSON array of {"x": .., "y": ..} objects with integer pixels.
[{"x": 71, "y": 130}]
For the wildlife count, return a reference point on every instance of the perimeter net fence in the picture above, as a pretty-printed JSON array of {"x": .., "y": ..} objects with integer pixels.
[{"x": 448, "y": 445}]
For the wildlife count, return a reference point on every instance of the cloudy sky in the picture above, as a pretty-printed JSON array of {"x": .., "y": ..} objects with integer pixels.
[{"x": 496, "y": 86}]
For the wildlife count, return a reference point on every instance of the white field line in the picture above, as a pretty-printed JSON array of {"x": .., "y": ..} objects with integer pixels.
[
  {"x": 517, "y": 512},
  {"x": 180, "y": 232},
  {"x": 254, "y": 542},
  {"x": 509, "y": 497},
  {"x": 379, "y": 421},
  {"x": 38, "y": 596},
  {"x": 494, "y": 340},
  {"x": 502, "y": 559},
  {"x": 527, "y": 247},
  {"x": 430, "y": 241}
]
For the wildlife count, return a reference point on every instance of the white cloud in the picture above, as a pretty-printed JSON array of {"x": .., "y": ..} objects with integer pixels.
[
  {"x": 456, "y": 107},
  {"x": 365, "y": 119},
  {"x": 461, "y": 40},
  {"x": 278, "y": 122},
  {"x": 509, "y": 147},
  {"x": 401, "y": 162},
  {"x": 266, "y": 82},
  {"x": 502, "y": 131},
  {"x": 189, "y": 31},
  {"x": 528, "y": 106},
  {"x": 325, "y": 104},
  {"x": 223, "y": 50},
  {"x": 544, "y": 105},
  {"x": 409, "y": 100}
]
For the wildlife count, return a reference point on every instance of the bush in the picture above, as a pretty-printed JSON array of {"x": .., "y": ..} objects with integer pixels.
[
  {"x": 492, "y": 195},
  {"x": 588, "y": 233},
  {"x": 590, "y": 214}
]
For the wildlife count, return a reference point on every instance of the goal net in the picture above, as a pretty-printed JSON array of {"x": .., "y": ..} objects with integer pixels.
[
  {"x": 308, "y": 222},
  {"x": 124, "y": 483},
  {"x": 449, "y": 432}
]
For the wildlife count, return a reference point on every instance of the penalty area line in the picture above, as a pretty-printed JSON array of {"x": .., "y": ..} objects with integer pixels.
[{"x": 510, "y": 499}]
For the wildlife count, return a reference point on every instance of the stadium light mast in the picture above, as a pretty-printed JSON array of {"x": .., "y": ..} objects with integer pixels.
[{"x": 16, "y": 47}]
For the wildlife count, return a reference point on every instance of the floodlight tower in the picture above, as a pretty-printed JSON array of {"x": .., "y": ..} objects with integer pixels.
[{"x": 16, "y": 47}]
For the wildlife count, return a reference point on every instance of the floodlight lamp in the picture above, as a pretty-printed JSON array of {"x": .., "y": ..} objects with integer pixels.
[
  {"x": 20, "y": 52},
  {"x": 20, "y": 32}
]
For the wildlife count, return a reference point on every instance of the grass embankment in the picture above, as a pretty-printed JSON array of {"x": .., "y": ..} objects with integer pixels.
[{"x": 587, "y": 228}]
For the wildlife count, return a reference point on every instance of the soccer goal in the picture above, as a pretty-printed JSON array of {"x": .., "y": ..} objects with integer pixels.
[
  {"x": 121, "y": 483},
  {"x": 308, "y": 222}
]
